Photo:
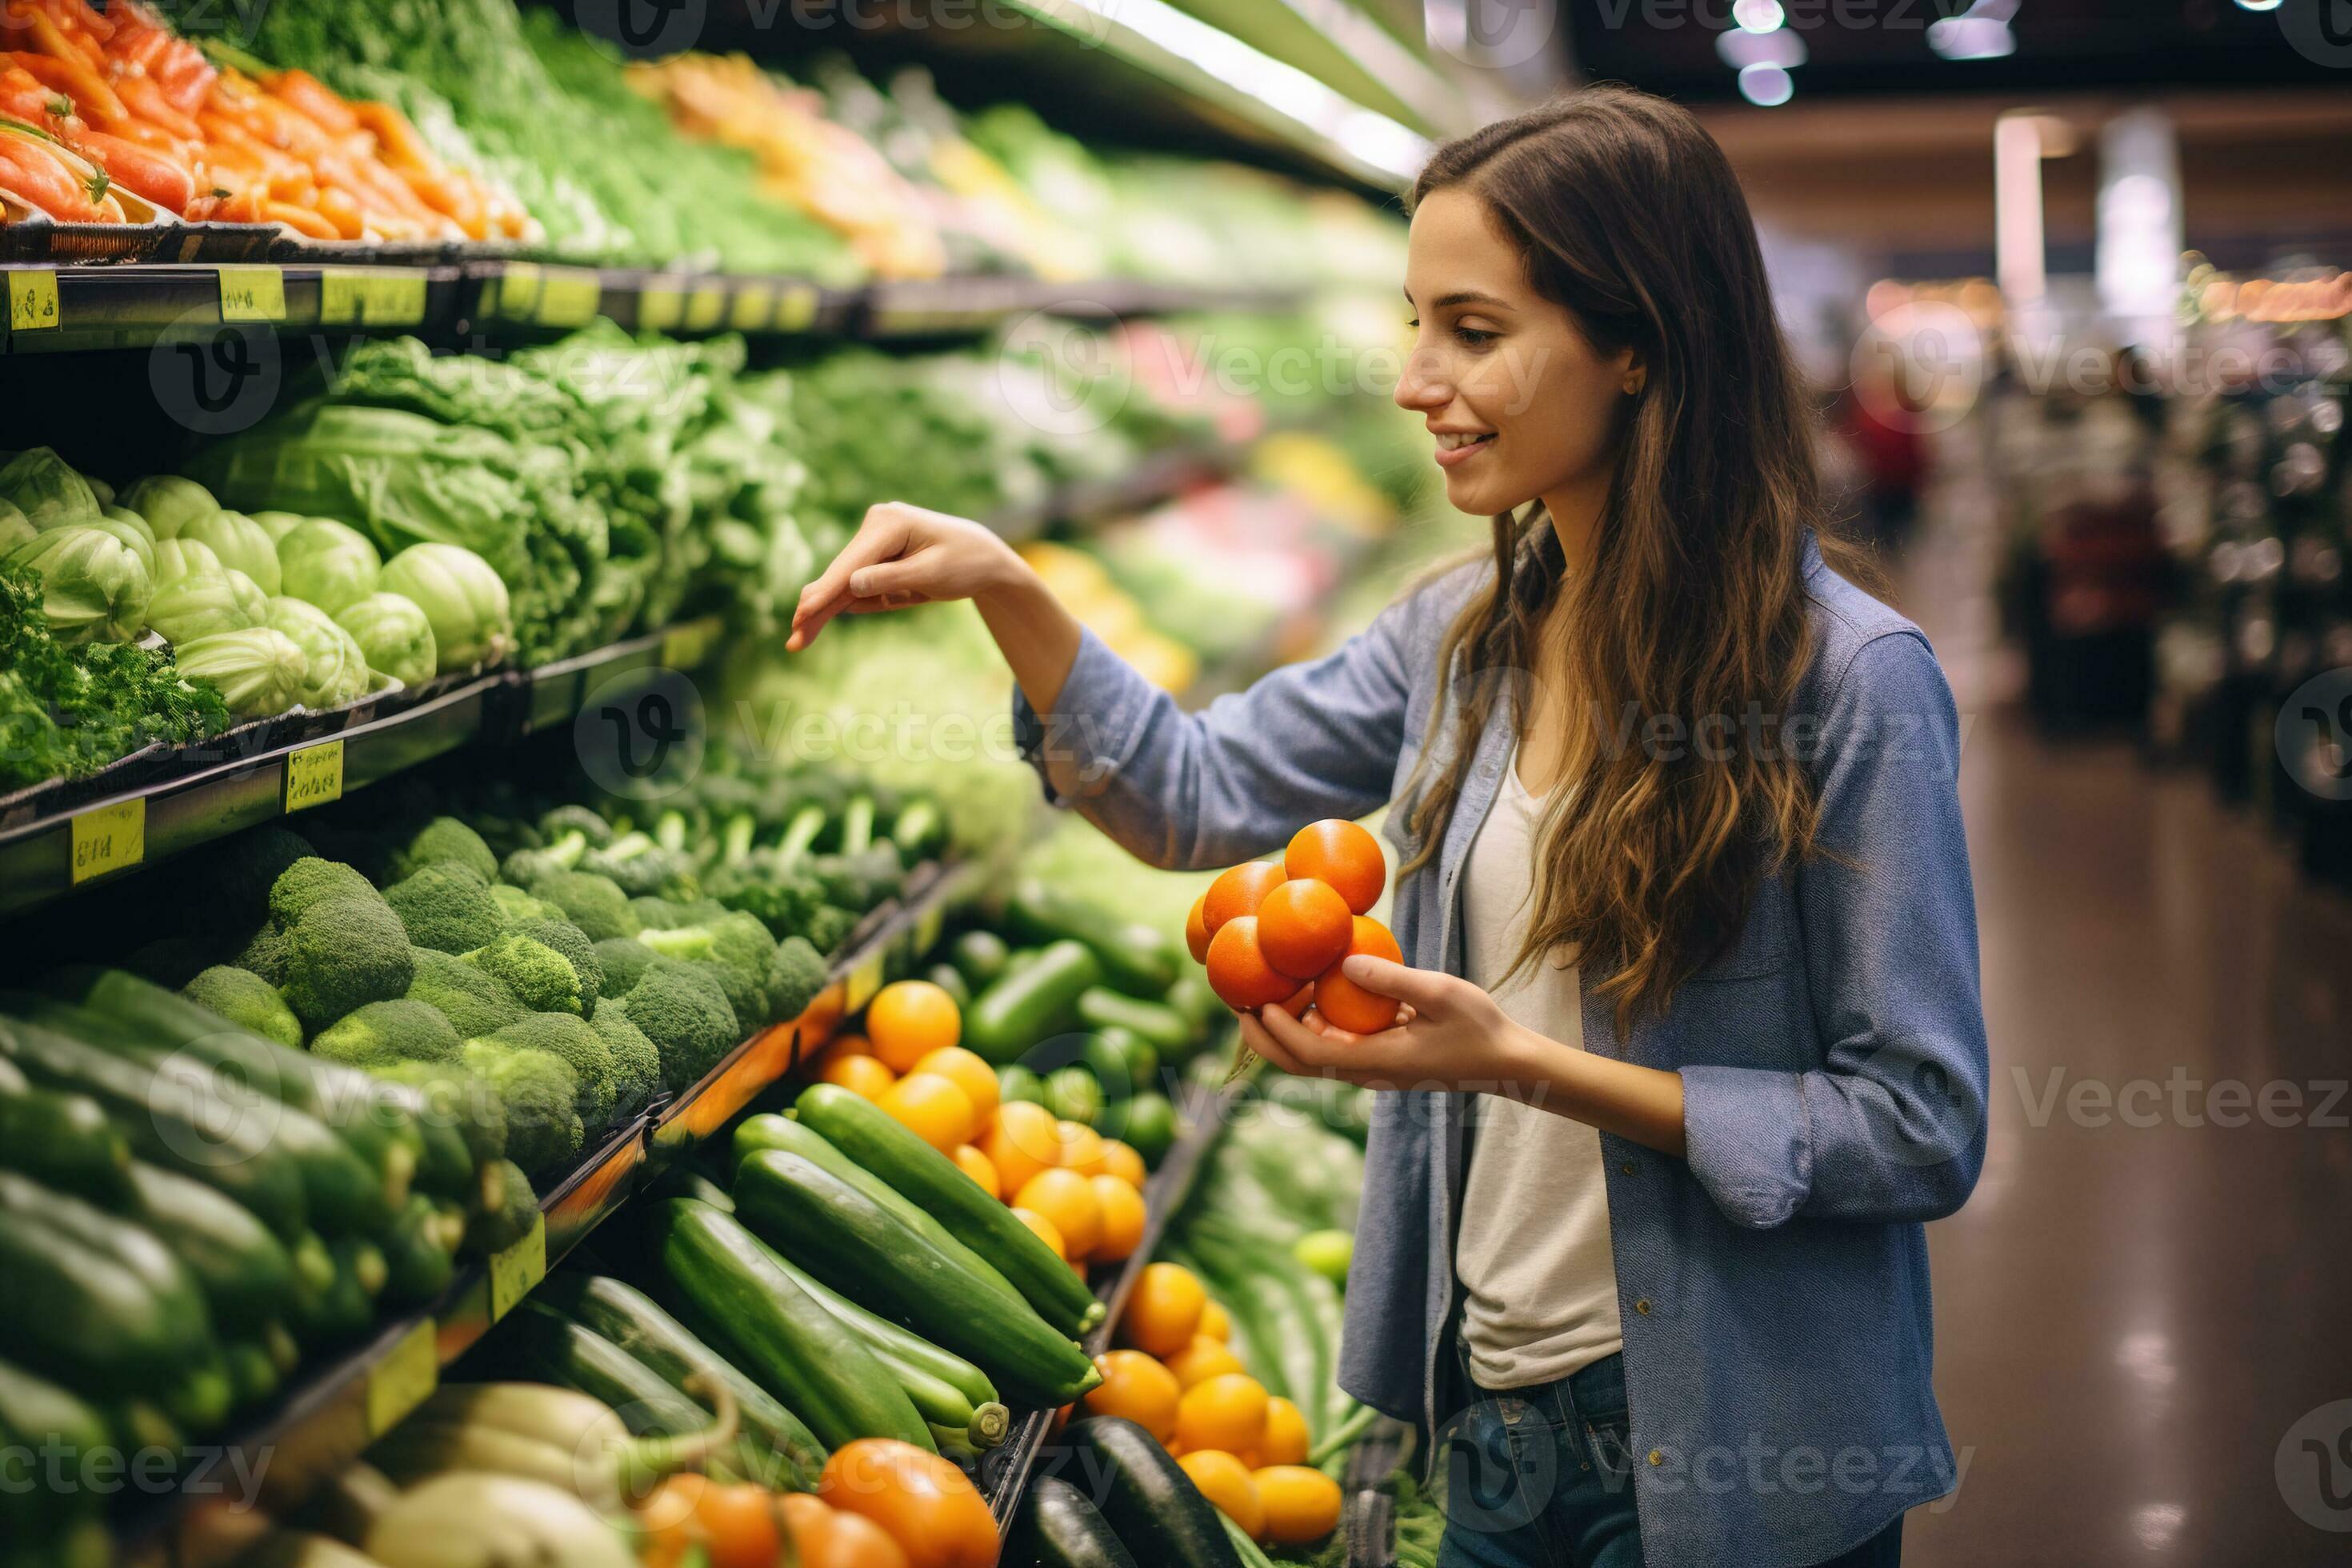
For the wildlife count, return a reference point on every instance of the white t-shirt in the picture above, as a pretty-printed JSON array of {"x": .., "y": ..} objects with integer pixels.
[{"x": 1533, "y": 1249}]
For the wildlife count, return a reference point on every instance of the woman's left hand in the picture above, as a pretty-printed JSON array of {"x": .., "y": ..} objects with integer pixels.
[{"x": 1450, "y": 1034}]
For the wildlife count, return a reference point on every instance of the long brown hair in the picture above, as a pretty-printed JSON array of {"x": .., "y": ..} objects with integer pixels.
[{"x": 1625, "y": 210}]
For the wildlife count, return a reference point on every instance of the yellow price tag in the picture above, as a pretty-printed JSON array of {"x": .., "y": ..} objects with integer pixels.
[
  {"x": 252, "y": 294},
  {"x": 395, "y": 298},
  {"x": 314, "y": 776},
  {"x": 514, "y": 1271},
  {"x": 796, "y": 310},
  {"x": 863, "y": 981},
  {"x": 518, "y": 294},
  {"x": 927, "y": 927},
  {"x": 660, "y": 309},
  {"x": 754, "y": 306},
  {"x": 568, "y": 297},
  {"x": 343, "y": 295},
  {"x": 108, "y": 837},
  {"x": 33, "y": 301},
  {"x": 706, "y": 308},
  {"x": 402, "y": 1380}
]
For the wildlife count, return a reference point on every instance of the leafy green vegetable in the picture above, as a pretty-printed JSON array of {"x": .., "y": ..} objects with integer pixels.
[
  {"x": 327, "y": 563},
  {"x": 94, "y": 587},
  {"x": 169, "y": 502},
  {"x": 258, "y": 670},
  {"x": 239, "y": 542},
  {"x": 394, "y": 636},
  {"x": 464, "y": 601},
  {"x": 334, "y": 671},
  {"x": 47, "y": 489},
  {"x": 196, "y": 604}
]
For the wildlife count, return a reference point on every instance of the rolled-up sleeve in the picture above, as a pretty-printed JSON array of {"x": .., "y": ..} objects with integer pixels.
[
  {"x": 1189, "y": 791},
  {"x": 1891, "y": 1126}
]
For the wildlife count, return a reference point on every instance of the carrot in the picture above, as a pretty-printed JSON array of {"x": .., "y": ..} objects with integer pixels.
[
  {"x": 338, "y": 209},
  {"x": 147, "y": 100},
  {"x": 169, "y": 184},
  {"x": 301, "y": 220},
  {"x": 46, "y": 183},
  {"x": 75, "y": 15},
  {"x": 312, "y": 96},
  {"x": 396, "y": 138}
]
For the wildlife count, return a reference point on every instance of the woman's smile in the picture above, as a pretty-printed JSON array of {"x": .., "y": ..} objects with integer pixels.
[{"x": 1455, "y": 447}]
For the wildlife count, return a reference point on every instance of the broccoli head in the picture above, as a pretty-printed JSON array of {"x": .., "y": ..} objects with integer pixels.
[
  {"x": 735, "y": 947},
  {"x": 245, "y": 998},
  {"x": 265, "y": 954},
  {"x": 382, "y": 1033},
  {"x": 565, "y": 820},
  {"x": 446, "y": 907},
  {"x": 475, "y": 1001},
  {"x": 542, "y": 1099},
  {"x": 445, "y": 838},
  {"x": 784, "y": 900},
  {"x": 830, "y": 926},
  {"x": 641, "y": 866},
  {"x": 657, "y": 912},
  {"x": 596, "y": 904},
  {"x": 454, "y": 1097},
  {"x": 580, "y": 953},
  {"x": 515, "y": 906},
  {"x": 582, "y": 1049},
  {"x": 498, "y": 1224},
  {"x": 624, "y": 960},
  {"x": 541, "y": 979},
  {"x": 343, "y": 954},
  {"x": 637, "y": 1066},
  {"x": 683, "y": 1011},
  {"x": 861, "y": 878},
  {"x": 237, "y": 877},
  {"x": 796, "y": 974},
  {"x": 311, "y": 880}
]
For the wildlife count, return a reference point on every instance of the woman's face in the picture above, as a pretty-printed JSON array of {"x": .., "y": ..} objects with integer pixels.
[{"x": 1521, "y": 404}]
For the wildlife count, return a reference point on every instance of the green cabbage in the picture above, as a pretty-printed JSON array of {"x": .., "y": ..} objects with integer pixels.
[
  {"x": 395, "y": 636},
  {"x": 327, "y": 563},
  {"x": 249, "y": 597},
  {"x": 196, "y": 604},
  {"x": 14, "y": 527},
  {"x": 47, "y": 489},
  {"x": 178, "y": 557},
  {"x": 278, "y": 524},
  {"x": 258, "y": 670},
  {"x": 335, "y": 671},
  {"x": 168, "y": 503},
  {"x": 464, "y": 599},
  {"x": 240, "y": 542},
  {"x": 101, "y": 489},
  {"x": 132, "y": 530},
  {"x": 93, "y": 584}
]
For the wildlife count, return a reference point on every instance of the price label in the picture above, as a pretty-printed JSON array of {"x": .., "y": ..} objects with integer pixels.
[
  {"x": 252, "y": 294},
  {"x": 108, "y": 837},
  {"x": 754, "y": 306},
  {"x": 515, "y": 1270},
  {"x": 518, "y": 294},
  {"x": 568, "y": 297},
  {"x": 796, "y": 308},
  {"x": 395, "y": 298},
  {"x": 314, "y": 776},
  {"x": 863, "y": 981},
  {"x": 402, "y": 1380},
  {"x": 343, "y": 295},
  {"x": 660, "y": 308},
  {"x": 687, "y": 645},
  {"x": 927, "y": 927},
  {"x": 706, "y": 308},
  {"x": 33, "y": 301}
]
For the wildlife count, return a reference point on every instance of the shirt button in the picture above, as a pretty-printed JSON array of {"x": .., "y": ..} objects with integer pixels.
[
  {"x": 1656, "y": 1457},
  {"x": 1627, "y": 1167},
  {"x": 1642, "y": 1306}
]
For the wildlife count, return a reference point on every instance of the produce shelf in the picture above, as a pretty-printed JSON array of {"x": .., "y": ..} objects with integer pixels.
[{"x": 66, "y": 309}]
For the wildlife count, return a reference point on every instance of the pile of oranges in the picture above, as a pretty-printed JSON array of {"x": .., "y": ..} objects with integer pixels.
[
  {"x": 1080, "y": 1192},
  {"x": 1178, "y": 1380},
  {"x": 1272, "y": 934}
]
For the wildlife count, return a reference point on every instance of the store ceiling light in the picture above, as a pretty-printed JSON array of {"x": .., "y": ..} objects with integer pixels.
[
  {"x": 1739, "y": 50},
  {"x": 2257, "y": 4},
  {"x": 1980, "y": 33},
  {"x": 1766, "y": 86},
  {"x": 1758, "y": 16}
]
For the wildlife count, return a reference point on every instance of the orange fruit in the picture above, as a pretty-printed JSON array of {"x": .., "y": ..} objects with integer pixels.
[
  {"x": 1236, "y": 893},
  {"x": 977, "y": 1165},
  {"x": 1164, "y": 1312},
  {"x": 1216, "y": 1323},
  {"x": 1202, "y": 1360},
  {"x": 863, "y": 1076},
  {"x": 1079, "y": 1148},
  {"x": 1122, "y": 1219},
  {"x": 909, "y": 1019},
  {"x": 932, "y": 1107},
  {"x": 1347, "y": 1005},
  {"x": 1336, "y": 851},
  {"x": 1286, "y": 1439},
  {"x": 1121, "y": 1160},
  {"x": 1303, "y": 927},
  {"x": 1045, "y": 1231},
  {"x": 1196, "y": 929},
  {"x": 1068, "y": 1200},
  {"x": 1301, "y": 1000},
  {"x": 1238, "y": 972},
  {"x": 927, "y": 1505},
  {"x": 829, "y": 1536},
  {"x": 1023, "y": 1140},
  {"x": 846, "y": 1046},
  {"x": 1225, "y": 1481},
  {"x": 1138, "y": 1388},
  {"x": 1298, "y": 1505},
  {"x": 969, "y": 1073},
  {"x": 1226, "y": 1413}
]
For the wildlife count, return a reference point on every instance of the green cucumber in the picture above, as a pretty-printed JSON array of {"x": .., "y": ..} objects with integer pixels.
[
  {"x": 979, "y": 956},
  {"x": 550, "y": 1346},
  {"x": 633, "y": 1321},
  {"x": 854, "y": 1244},
  {"x": 772, "y": 1132},
  {"x": 247, "y": 1274},
  {"x": 62, "y": 1139},
  {"x": 730, "y": 1294},
  {"x": 1161, "y": 1026},
  {"x": 420, "y": 1251},
  {"x": 252, "y": 1374},
  {"x": 930, "y": 1181},
  {"x": 35, "y": 1413},
  {"x": 128, "y": 1246},
  {"x": 345, "y": 1305},
  {"x": 1034, "y": 1003},
  {"x": 1195, "y": 1002},
  {"x": 1135, "y": 957},
  {"x": 171, "y": 1121},
  {"x": 87, "y": 1315},
  {"x": 1147, "y": 1499},
  {"x": 1058, "y": 1528}
]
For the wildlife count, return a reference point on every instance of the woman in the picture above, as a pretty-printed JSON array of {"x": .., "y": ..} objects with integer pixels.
[{"x": 1690, "y": 1040}]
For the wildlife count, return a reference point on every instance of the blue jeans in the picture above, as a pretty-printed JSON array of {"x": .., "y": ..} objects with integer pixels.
[{"x": 1540, "y": 1477}]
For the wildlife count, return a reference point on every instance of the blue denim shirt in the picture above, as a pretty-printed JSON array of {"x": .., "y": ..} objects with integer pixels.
[{"x": 1773, "y": 1284}]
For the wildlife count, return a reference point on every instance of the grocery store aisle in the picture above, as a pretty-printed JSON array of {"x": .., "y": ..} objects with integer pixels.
[{"x": 2142, "y": 1298}]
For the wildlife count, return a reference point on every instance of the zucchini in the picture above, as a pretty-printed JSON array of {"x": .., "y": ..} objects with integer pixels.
[
  {"x": 793, "y": 1137},
  {"x": 109, "y": 1240},
  {"x": 633, "y": 1321},
  {"x": 979, "y": 956},
  {"x": 1135, "y": 957},
  {"x": 1149, "y": 1502},
  {"x": 85, "y": 1313},
  {"x": 1196, "y": 1002},
  {"x": 61, "y": 1140},
  {"x": 852, "y": 1243},
  {"x": 174, "y": 1123},
  {"x": 1058, "y": 1528},
  {"x": 1156, "y": 1023},
  {"x": 732, "y": 1296},
  {"x": 245, "y": 1273},
  {"x": 346, "y": 1305},
  {"x": 36, "y": 1413},
  {"x": 930, "y": 1180},
  {"x": 420, "y": 1251},
  {"x": 1034, "y": 1004}
]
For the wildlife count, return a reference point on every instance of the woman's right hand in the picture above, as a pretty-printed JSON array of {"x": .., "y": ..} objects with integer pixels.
[{"x": 904, "y": 555}]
